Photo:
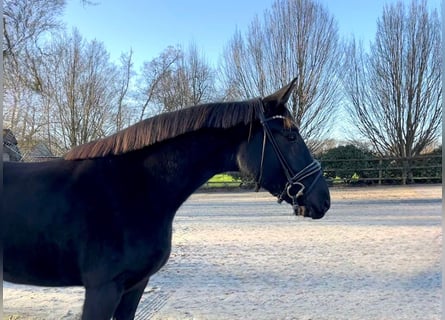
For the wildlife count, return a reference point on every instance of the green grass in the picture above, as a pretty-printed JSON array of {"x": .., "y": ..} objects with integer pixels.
[{"x": 222, "y": 180}]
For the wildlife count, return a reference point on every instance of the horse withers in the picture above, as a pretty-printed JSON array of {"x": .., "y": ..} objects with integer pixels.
[{"x": 102, "y": 216}]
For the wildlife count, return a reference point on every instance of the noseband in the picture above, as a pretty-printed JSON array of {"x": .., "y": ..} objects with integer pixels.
[{"x": 294, "y": 187}]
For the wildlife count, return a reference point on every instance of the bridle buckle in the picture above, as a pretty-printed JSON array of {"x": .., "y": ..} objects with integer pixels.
[{"x": 300, "y": 191}]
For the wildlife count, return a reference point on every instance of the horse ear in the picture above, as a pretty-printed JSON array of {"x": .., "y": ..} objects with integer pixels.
[{"x": 282, "y": 95}]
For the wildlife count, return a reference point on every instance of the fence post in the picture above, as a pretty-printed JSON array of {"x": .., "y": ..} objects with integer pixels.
[{"x": 380, "y": 171}]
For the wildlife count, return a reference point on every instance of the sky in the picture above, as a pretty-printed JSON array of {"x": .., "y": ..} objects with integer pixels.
[{"x": 150, "y": 26}]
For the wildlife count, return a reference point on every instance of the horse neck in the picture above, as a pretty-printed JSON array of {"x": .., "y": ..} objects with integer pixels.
[{"x": 179, "y": 166}]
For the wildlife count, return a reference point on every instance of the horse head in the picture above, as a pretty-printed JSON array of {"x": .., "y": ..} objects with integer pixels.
[{"x": 276, "y": 155}]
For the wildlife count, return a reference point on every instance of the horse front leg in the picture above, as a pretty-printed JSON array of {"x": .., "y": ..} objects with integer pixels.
[
  {"x": 128, "y": 305},
  {"x": 101, "y": 302}
]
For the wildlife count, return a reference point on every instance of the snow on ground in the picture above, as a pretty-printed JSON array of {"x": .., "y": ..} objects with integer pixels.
[{"x": 376, "y": 255}]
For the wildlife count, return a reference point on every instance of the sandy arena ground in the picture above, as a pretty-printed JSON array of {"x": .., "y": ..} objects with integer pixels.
[{"x": 376, "y": 255}]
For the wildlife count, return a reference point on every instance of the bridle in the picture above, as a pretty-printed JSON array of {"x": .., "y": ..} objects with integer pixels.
[{"x": 294, "y": 187}]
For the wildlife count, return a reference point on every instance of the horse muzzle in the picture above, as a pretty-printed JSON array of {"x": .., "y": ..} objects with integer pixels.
[{"x": 309, "y": 212}]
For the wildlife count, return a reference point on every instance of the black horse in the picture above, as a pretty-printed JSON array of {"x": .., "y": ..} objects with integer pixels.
[{"x": 102, "y": 216}]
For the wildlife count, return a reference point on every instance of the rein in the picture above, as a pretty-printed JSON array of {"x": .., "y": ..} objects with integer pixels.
[{"x": 293, "y": 179}]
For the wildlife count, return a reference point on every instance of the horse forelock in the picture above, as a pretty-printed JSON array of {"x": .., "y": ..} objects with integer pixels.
[{"x": 167, "y": 126}]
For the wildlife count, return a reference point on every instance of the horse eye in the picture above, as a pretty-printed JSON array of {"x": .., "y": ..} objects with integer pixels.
[{"x": 291, "y": 136}]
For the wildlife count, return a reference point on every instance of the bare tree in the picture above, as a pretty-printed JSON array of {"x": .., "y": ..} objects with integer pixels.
[
  {"x": 176, "y": 79},
  {"x": 79, "y": 80},
  {"x": 25, "y": 23},
  {"x": 26, "y": 26},
  {"x": 171, "y": 88},
  {"x": 151, "y": 74},
  {"x": 124, "y": 76},
  {"x": 26, "y": 20},
  {"x": 200, "y": 77},
  {"x": 296, "y": 38},
  {"x": 395, "y": 91}
]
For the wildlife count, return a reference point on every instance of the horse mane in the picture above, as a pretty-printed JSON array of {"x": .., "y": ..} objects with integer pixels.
[{"x": 167, "y": 126}]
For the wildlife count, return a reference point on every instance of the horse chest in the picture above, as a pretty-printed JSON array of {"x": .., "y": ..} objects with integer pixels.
[
  {"x": 128, "y": 256},
  {"x": 150, "y": 254}
]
